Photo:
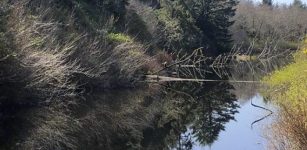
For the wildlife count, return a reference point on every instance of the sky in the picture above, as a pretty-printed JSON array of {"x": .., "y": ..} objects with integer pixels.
[{"x": 283, "y": 1}]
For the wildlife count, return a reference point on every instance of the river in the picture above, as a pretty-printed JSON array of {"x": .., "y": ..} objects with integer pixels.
[
  {"x": 240, "y": 134},
  {"x": 186, "y": 115},
  {"x": 164, "y": 115}
]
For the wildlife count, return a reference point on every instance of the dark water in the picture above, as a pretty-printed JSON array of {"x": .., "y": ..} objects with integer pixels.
[
  {"x": 213, "y": 116},
  {"x": 185, "y": 115},
  {"x": 180, "y": 115}
]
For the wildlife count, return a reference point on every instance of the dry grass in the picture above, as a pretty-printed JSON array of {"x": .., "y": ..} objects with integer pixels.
[
  {"x": 289, "y": 132},
  {"x": 59, "y": 54}
]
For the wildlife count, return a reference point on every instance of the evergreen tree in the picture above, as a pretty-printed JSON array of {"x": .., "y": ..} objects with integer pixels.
[
  {"x": 267, "y": 2},
  {"x": 213, "y": 17},
  {"x": 117, "y": 7},
  {"x": 178, "y": 28},
  {"x": 298, "y": 3}
]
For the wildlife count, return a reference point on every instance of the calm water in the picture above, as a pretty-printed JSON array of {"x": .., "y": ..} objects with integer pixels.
[
  {"x": 175, "y": 115},
  {"x": 187, "y": 115},
  {"x": 214, "y": 116},
  {"x": 238, "y": 134}
]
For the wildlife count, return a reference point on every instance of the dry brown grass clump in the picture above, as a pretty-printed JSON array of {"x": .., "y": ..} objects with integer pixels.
[
  {"x": 62, "y": 54},
  {"x": 289, "y": 132}
]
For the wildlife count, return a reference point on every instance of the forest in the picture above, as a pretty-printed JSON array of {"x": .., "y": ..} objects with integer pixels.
[{"x": 74, "y": 73}]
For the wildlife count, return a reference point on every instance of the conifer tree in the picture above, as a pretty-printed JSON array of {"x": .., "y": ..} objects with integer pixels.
[
  {"x": 298, "y": 3},
  {"x": 214, "y": 19},
  {"x": 211, "y": 18},
  {"x": 267, "y": 2}
]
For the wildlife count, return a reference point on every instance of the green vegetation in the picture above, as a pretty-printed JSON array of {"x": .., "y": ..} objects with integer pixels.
[
  {"x": 119, "y": 37},
  {"x": 201, "y": 23},
  {"x": 289, "y": 81},
  {"x": 288, "y": 88},
  {"x": 56, "y": 55}
]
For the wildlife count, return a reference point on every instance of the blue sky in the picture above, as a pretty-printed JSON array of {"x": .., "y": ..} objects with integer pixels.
[{"x": 283, "y": 1}]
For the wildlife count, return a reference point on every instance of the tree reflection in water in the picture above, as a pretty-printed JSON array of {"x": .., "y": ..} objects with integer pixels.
[
  {"x": 193, "y": 111},
  {"x": 169, "y": 116}
]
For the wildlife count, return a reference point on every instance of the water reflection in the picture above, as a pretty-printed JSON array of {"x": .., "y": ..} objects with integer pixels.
[
  {"x": 238, "y": 134},
  {"x": 168, "y": 116},
  {"x": 201, "y": 108},
  {"x": 150, "y": 118}
]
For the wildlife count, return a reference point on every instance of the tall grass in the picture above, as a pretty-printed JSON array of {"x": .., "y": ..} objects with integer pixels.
[
  {"x": 289, "y": 90},
  {"x": 51, "y": 55}
]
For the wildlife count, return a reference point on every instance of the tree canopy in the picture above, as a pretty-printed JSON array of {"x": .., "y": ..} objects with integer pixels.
[{"x": 199, "y": 23}]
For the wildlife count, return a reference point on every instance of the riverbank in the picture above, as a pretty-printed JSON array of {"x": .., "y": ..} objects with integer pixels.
[
  {"x": 52, "y": 55},
  {"x": 288, "y": 89}
]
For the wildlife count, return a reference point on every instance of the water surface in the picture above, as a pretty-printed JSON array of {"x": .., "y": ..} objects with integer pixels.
[{"x": 240, "y": 134}]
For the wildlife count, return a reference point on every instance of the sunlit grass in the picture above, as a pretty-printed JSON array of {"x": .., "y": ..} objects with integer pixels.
[
  {"x": 289, "y": 91},
  {"x": 290, "y": 81},
  {"x": 119, "y": 37}
]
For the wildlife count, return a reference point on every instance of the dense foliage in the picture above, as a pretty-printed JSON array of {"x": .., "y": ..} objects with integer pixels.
[{"x": 193, "y": 24}]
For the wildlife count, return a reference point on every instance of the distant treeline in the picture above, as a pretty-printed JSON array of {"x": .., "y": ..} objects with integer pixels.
[{"x": 267, "y": 24}]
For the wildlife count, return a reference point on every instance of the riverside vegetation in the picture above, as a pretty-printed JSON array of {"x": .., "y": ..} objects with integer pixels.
[
  {"x": 60, "y": 60},
  {"x": 288, "y": 88}
]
